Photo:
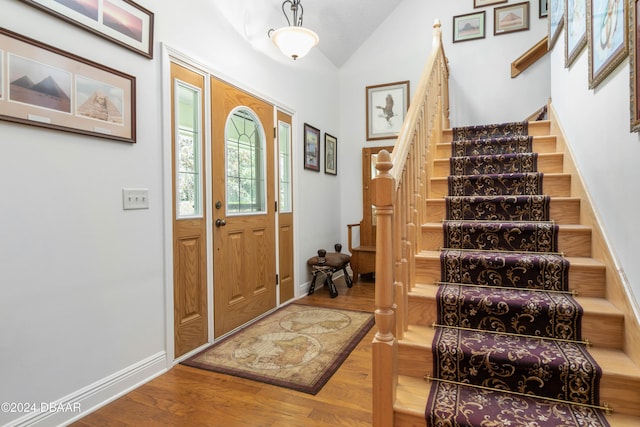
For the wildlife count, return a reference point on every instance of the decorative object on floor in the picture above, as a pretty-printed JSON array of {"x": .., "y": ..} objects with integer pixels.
[
  {"x": 298, "y": 347},
  {"x": 387, "y": 105},
  {"x": 508, "y": 347},
  {"x": 327, "y": 264},
  {"x": 51, "y": 88},
  {"x": 311, "y": 148},
  {"x": 294, "y": 41},
  {"x": 607, "y": 34},
  {"x": 120, "y": 21}
]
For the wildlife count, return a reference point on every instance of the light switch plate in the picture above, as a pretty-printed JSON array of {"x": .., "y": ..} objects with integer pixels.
[{"x": 135, "y": 198}]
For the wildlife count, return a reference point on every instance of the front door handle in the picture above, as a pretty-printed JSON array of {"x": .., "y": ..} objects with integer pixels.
[{"x": 220, "y": 222}]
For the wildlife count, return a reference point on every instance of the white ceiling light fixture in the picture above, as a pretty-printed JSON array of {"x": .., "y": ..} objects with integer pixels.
[{"x": 294, "y": 41}]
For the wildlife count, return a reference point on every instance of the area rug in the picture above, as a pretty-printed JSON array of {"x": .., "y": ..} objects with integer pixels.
[{"x": 298, "y": 347}]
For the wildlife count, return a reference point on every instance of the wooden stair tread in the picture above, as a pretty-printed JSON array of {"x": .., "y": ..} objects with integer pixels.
[{"x": 412, "y": 394}]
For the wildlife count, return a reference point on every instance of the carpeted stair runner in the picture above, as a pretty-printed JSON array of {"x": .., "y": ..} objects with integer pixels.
[
  {"x": 508, "y": 348},
  {"x": 498, "y": 208}
]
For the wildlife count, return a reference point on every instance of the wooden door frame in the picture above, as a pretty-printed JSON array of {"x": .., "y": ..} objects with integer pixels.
[{"x": 171, "y": 55}]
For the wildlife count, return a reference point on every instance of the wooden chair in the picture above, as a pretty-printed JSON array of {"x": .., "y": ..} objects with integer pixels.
[{"x": 363, "y": 257}]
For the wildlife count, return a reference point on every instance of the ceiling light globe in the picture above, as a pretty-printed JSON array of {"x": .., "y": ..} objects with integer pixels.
[{"x": 294, "y": 42}]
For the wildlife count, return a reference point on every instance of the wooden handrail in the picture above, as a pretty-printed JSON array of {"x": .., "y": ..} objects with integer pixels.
[
  {"x": 528, "y": 58},
  {"x": 399, "y": 192}
]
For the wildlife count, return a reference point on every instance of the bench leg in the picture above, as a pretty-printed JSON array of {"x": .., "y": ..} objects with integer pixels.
[
  {"x": 312, "y": 287},
  {"x": 333, "y": 291},
  {"x": 347, "y": 278}
]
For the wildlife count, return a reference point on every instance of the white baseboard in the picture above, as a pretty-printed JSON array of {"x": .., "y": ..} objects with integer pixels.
[{"x": 82, "y": 402}]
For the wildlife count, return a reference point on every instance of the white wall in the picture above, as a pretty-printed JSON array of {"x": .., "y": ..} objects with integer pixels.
[
  {"x": 596, "y": 123},
  {"x": 82, "y": 311},
  {"x": 481, "y": 89}
]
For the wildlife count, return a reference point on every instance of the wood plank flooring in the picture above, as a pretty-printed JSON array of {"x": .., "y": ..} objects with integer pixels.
[{"x": 187, "y": 396}]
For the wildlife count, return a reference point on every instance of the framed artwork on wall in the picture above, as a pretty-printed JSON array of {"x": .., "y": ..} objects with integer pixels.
[
  {"x": 51, "y": 88},
  {"x": 575, "y": 30},
  {"x": 387, "y": 105},
  {"x": 634, "y": 71},
  {"x": 511, "y": 18},
  {"x": 120, "y": 21},
  {"x": 469, "y": 27},
  {"x": 483, "y": 3},
  {"x": 311, "y": 148},
  {"x": 543, "y": 8},
  {"x": 607, "y": 37},
  {"x": 330, "y": 154},
  {"x": 556, "y": 20}
]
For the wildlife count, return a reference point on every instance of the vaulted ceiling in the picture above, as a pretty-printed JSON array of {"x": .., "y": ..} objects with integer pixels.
[{"x": 342, "y": 25}]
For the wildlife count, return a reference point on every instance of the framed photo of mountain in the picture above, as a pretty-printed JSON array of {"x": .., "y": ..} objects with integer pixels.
[
  {"x": 51, "y": 88},
  {"x": 511, "y": 18},
  {"x": 120, "y": 21},
  {"x": 470, "y": 26}
]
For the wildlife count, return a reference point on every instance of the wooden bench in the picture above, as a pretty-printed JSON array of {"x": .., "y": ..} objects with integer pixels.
[{"x": 328, "y": 264}]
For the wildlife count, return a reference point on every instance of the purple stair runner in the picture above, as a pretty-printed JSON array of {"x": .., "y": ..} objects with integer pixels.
[{"x": 508, "y": 334}]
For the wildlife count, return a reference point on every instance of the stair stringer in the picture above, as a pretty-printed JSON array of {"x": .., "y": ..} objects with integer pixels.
[{"x": 618, "y": 290}]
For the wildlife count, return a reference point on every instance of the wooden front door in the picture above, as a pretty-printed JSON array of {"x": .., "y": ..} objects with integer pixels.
[
  {"x": 189, "y": 224},
  {"x": 244, "y": 244}
]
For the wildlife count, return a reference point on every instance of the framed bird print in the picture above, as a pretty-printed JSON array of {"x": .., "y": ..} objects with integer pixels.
[{"x": 387, "y": 106}]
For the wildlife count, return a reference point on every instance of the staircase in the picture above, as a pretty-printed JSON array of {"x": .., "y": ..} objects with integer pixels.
[{"x": 603, "y": 324}]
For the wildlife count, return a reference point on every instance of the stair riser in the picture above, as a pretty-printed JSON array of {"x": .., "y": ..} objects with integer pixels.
[
  {"x": 572, "y": 242},
  {"x": 551, "y": 163},
  {"x": 553, "y": 185},
  {"x": 601, "y": 329},
  {"x": 565, "y": 211},
  {"x": 414, "y": 361},
  {"x": 541, "y": 144},
  {"x": 588, "y": 281}
]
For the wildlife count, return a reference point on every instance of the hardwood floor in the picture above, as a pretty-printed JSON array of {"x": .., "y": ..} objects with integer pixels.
[{"x": 187, "y": 396}]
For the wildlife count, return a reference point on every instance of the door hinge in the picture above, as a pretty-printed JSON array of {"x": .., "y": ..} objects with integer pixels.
[
  {"x": 277, "y": 279},
  {"x": 276, "y": 206},
  {"x": 275, "y": 132}
]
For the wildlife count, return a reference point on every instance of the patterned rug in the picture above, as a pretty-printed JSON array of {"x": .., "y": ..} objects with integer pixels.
[
  {"x": 298, "y": 347},
  {"x": 508, "y": 347}
]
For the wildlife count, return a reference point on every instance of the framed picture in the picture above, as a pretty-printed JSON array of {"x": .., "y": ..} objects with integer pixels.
[
  {"x": 387, "y": 105},
  {"x": 330, "y": 154},
  {"x": 120, "y": 21},
  {"x": 469, "y": 26},
  {"x": 575, "y": 30},
  {"x": 311, "y": 148},
  {"x": 511, "y": 18},
  {"x": 55, "y": 89},
  {"x": 483, "y": 3},
  {"x": 543, "y": 8},
  {"x": 634, "y": 48},
  {"x": 556, "y": 20},
  {"x": 607, "y": 37}
]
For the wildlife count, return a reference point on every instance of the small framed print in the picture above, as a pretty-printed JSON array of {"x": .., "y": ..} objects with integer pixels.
[
  {"x": 511, "y": 18},
  {"x": 469, "y": 27},
  {"x": 387, "y": 105},
  {"x": 311, "y": 148},
  {"x": 330, "y": 154},
  {"x": 543, "y": 8}
]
